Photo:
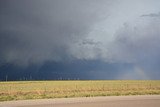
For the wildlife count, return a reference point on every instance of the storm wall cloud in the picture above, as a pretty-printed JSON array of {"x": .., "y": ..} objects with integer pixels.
[
  {"x": 123, "y": 36},
  {"x": 44, "y": 29}
]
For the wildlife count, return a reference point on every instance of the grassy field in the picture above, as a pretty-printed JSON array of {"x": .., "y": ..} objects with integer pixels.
[{"x": 62, "y": 89}]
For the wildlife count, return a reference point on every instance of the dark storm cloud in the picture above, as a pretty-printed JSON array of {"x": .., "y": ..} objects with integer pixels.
[
  {"x": 88, "y": 39},
  {"x": 37, "y": 31},
  {"x": 78, "y": 69}
]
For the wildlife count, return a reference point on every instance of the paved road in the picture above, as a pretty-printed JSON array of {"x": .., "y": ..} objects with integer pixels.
[{"x": 112, "y": 101}]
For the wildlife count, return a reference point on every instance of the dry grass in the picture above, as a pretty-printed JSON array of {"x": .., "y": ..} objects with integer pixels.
[{"x": 57, "y": 89}]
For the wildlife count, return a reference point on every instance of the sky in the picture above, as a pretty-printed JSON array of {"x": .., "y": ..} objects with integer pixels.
[{"x": 79, "y": 39}]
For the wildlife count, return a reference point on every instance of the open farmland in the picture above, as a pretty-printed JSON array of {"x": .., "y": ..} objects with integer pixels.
[{"x": 62, "y": 89}]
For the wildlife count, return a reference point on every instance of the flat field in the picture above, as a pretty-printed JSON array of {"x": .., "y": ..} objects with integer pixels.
[{"x": 20, "y": 90}]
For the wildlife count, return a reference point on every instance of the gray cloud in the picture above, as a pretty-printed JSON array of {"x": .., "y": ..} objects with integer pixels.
[
  {"x": 37, "y": 31},
  {"x": 134, "y": 43},
  {"x": 151, "y": 15},
  {"x": 90, "y": 42},
  {"x": 138, "y": 45}
]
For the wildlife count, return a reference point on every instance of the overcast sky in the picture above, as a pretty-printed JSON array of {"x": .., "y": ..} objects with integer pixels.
[{"x": 86, "y": 39}]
